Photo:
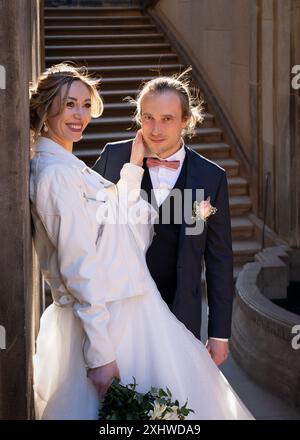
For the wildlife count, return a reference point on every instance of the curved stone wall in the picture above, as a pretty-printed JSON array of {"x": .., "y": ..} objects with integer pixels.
[{"x": 264, "y": 336}]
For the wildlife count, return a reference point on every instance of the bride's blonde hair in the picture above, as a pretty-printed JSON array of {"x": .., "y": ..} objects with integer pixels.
[{"x": 49, "y": 85}]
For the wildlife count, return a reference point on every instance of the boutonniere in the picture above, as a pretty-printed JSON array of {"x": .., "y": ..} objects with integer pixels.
[{"x": 202, "y": 210}]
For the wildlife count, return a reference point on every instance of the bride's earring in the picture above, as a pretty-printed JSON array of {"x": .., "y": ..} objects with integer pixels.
[{"x": 45, "y": 127}]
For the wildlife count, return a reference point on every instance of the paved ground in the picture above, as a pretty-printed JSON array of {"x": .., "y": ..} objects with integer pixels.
[{"x": 261, "y": 403}]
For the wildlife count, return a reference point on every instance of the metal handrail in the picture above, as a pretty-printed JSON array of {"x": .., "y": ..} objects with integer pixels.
[{"x": 267, "y": 182}]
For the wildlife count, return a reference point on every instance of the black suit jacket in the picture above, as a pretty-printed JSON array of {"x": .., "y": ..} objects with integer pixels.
[{"x": 214, "y": 244}]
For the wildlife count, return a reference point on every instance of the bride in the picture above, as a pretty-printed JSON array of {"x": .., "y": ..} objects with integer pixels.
[{"x": 107, "y": 319}]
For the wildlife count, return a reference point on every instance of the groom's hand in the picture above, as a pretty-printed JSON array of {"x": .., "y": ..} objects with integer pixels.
[
  {"x": 102, "y": 377},
  {"x": 138, "y": 149},
  {"x": 218, "y": 350}
]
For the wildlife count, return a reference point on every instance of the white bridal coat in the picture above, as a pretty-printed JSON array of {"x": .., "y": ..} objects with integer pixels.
[{"x": 91, "y": 241}]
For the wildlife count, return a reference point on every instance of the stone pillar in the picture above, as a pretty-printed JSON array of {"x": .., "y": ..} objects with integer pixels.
[
  {"x": 295, "y": 129},
  {"x": 254, "y": 98},
  {"x": 277, "y": 152},
  {"x": 283, "y": 185},
  {"x": 19, "y": 30}
]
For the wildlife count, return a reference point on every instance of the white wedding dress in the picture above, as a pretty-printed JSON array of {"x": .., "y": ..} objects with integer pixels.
[{"x": 150, "y": 345}]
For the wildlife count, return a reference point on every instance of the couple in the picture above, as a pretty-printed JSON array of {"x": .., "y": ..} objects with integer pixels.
[{"x": 113, "y": 282}]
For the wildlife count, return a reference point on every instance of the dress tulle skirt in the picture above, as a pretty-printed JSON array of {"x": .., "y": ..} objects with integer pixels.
[{"x": 151, "y": 345}]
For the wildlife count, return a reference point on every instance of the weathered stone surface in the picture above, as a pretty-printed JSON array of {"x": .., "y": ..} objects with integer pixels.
[
  {"x": 17, "y": 305},
  {"x": 262, "y": 332}
]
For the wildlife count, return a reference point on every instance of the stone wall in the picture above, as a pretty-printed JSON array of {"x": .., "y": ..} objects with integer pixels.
[
  {"x": 265, "y": 337},
  {"x": 217, "y": 33},
  {"x": 19, "y": 58},
  {"x": 245, "y": 50}
]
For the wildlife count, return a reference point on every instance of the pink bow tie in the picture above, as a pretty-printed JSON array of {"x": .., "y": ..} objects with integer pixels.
[{"x": 153, "y": 162}]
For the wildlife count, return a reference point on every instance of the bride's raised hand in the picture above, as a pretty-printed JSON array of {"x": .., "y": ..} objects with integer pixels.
[{"x": 138, "y": 149}]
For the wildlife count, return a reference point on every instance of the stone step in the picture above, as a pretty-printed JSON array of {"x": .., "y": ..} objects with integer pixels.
[
  {"x": 241, "y": 227},
  {"x": 115, "y": 60},
  {"x": 117, "y": 96},
  {"x": 100, "y": 139},
  {"x": 114, "y": 50},
  {"x": 219, "y": 150},
  {"x": 87, "y": 31},
  {"x": 209, "y": 153},
  {"x": 114, "y": 83},
  {"x": 239, "y": 205},
  {"x": 136, "y": 70},
  {"x": 230, "y": 165},
  {"x": 96, "y": 20},
  {"x": 238, "y": 186},
  {"x": 244, "y": 250},
  {"x": 118, "y": 109},
  {"x": 104, "y": 39},
  {"x": 119, "y": 123},
  {"x": 91, "y": 11}
]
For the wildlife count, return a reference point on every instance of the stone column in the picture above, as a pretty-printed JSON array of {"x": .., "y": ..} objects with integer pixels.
[
  {"x": 295, "y": 129},
  {"x": 278, "y": 118},
  {"x": 254, "y": 98},
  {"x": 281, "y": 117},
  {"x": 19, "y": 45}
]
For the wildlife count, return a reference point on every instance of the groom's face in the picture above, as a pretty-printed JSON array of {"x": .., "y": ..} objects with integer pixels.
[{"x": 162, "y": 123}]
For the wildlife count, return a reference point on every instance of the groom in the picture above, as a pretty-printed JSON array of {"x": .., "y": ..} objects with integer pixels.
[{"x": 165, "y": 112}]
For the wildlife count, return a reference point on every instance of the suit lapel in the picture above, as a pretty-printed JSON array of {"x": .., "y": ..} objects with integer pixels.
[
  {"x": 194, "y": 180},
  {"x": 148, "y": 187}
]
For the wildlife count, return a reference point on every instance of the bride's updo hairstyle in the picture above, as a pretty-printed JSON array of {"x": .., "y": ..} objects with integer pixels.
[{"x": 49, "y": 85}]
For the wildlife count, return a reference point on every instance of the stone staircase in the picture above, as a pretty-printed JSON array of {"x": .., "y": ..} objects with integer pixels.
[{"x": 124, "y": 48}]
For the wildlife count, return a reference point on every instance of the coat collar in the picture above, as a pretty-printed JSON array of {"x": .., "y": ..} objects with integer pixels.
[
  {"x": 49, "y": 147},
  {"x": 195, "y": 179},
  {"x": 46, "y": 145}
]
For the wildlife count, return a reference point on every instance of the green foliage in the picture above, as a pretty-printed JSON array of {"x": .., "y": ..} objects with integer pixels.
[{"x": 125, "y": 403}]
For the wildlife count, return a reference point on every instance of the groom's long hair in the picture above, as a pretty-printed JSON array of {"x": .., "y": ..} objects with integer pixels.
[{"x": 191, "y": 102}]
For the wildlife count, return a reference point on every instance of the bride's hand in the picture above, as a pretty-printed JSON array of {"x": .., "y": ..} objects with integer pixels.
[
  {"x": 138, "y": 149},
  {"x": 102, "y": 377}
]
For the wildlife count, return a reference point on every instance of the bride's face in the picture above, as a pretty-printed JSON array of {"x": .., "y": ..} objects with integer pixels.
[{"x": 67, "y": 126}]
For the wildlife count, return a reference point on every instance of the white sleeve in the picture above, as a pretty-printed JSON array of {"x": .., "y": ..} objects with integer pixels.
[
  {"x": 140, "y": 215},
  {"x": 61, "y": 208}
]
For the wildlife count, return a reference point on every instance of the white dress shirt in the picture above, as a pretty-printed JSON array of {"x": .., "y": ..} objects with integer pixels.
[{"x": 163, "y": 179}]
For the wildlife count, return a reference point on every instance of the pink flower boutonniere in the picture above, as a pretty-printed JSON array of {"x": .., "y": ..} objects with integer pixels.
[{"x": 202, "y": 210}]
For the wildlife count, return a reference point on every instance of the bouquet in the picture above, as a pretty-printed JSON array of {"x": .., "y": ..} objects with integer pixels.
[{"x": 125, "y": 403}]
